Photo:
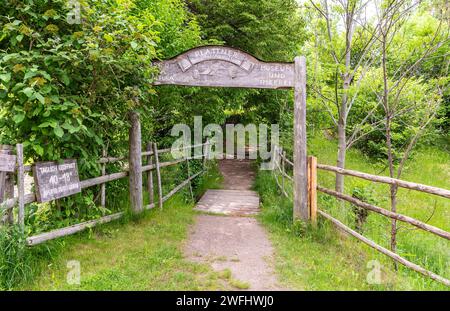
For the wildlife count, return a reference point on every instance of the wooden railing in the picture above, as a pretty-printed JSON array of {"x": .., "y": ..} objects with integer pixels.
[
  {"x": 22, "y": 199},
  {"x": 279, "y": 161}
]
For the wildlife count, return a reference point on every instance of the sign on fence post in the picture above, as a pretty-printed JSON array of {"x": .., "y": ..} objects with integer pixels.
[{"x": 54, "y": 180}]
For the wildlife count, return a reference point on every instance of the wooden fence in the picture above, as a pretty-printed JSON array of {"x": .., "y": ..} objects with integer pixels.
[
  {"x": 279, "y": 162},
  {"x": 8, "y": 201}
]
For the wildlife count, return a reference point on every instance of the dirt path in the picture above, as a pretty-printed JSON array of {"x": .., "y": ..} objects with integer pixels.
[
  {"x": 239, "y": 244},
  {"x": 237, "y": 174}
]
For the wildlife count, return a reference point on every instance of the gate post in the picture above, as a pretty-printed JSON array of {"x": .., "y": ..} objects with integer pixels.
[
  {"x": 300, "y": 153},
  {"x": 135, "y": 164}
]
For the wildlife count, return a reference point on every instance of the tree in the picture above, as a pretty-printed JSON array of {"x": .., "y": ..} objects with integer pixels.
[
  {"x": 400, "y": 75},
  {"x": 344, "y": 36}
]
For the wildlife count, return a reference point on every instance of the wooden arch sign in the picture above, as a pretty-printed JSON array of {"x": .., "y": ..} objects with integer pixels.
[{"x": 221, "y": 66}]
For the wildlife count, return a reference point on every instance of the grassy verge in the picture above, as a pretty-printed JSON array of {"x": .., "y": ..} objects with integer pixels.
[
  {"x": 134, "y": 254},
  {"x": 324, "y": 259}
]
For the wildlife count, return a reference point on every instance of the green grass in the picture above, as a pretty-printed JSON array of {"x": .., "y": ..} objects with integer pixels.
[
  {"x": 324, "y": 259},
  {"x": 141, "y": 254}
]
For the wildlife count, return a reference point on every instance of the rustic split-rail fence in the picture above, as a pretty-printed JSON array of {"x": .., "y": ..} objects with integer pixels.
[
  {"x": 134, "y": 172},
  {"x": 280, "y": 171}
]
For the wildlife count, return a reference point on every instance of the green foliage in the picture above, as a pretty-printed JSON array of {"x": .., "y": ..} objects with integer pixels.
[
  {"x": 66, "y": 89},
  {"x": 423, "y": 89},
  {"x": 14, "y": 257},
  {"x": 270, "y": 30},
  {"x": 365, "y": 194}
]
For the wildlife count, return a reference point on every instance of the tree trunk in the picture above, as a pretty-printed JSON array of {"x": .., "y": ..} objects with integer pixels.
[
  {"x": 387, "y": 109},
  {"x": 393, "y": 188},
  {"x": 342, "y": 122},
  {"x": 342, "y": 144}
]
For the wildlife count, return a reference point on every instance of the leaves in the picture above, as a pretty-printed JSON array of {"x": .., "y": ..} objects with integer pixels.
[
  {"x": 29, "y": 91},
  {"x": 58, "y": 131},
  {"x": 18, "y": 118},
  {"x": 40, "y": 98},
  {"x": 38, "y": 149},
  {"x": 5, "y": 77}
]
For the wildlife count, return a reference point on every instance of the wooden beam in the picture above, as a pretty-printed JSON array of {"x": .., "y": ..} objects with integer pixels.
[
  {"x": 180, "y": 186},
  {"x": 41, "y": 238},
  {"x": 151, "y": 195},
  {"x": 384, "y": 212},
  {"x": 387, "y": 180},
  {"x": 189, "y": 178},
  {"x": 205, "y": 152},
  {"x": 31, "y": 197},
  {"x": 186, "y": 69},
  {"x": 135, "y": 164},
  {"x": 300, "y": 152},
  {"x": 103, "y": 186},
  {"x": 283, "y": 170},
  {"x": 312, "y": 186},
  {"x": 385, "y": 251},
  {"x": 158, "y": 176}
]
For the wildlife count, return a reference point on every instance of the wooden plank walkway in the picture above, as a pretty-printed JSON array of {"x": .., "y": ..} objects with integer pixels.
[{"x": 229, "y": 202}]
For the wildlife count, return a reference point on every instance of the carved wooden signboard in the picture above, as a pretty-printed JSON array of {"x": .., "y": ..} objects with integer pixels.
[
  {"x": 56, "y": 180},
  {"x": 7, "y": 162},
  {"x": 221, "y": 66}
]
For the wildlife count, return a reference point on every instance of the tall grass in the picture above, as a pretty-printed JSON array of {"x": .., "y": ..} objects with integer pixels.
[
  {"x": 430, "y": 165},
  {"x": 14, "y": 257}
]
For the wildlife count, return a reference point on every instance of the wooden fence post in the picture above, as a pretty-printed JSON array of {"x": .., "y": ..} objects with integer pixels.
[
  {"x": 103, "y": 186},
  {"x": 300, "y": 154},
  {"x": 151, "y": 196},
  {"x": 189, "y": 177},
  {"x": 205, "y": 153},
  {"x": 21, "y": 187},
  {"x": 6, "y": 187},
  {"x": 158, "y": 176},
  {"x": 283, "y": 169},
  {"x": 135, "y": 163},
  {"x": 273, "y": 159},
  {"x": 312, "y": 188}
]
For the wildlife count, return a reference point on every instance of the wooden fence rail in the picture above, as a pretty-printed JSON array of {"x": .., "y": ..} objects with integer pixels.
[
  {"x": 387, "y": 213},
  {"x": 22, "y": 199},
  {"x": 387, "y": 180},
  {"x": 279, "y": 155},
  {"x": 31, "y": 197},
  {"x": 385, "y": 251}
]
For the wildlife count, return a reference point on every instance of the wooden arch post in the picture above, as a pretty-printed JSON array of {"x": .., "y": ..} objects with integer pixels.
[
  {"x": 221, "y": 66},
  {"x": 300, "y": 152}
]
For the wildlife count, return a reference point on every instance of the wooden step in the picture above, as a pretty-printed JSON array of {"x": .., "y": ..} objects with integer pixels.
[{"x": 229, "y": 202}]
